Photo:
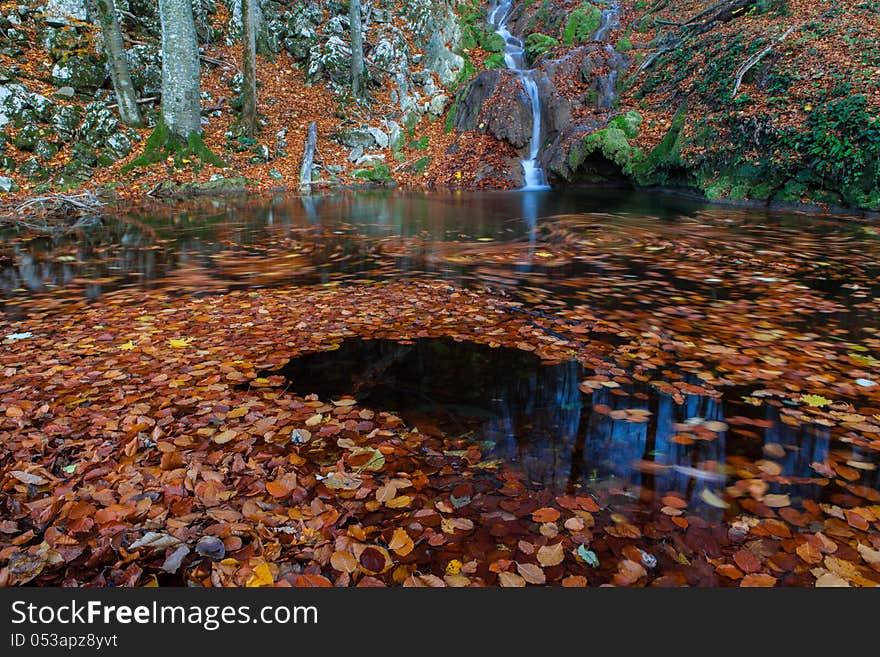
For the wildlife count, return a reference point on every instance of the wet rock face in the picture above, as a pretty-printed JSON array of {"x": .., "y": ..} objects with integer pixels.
[{"x": 495, "y": 102}]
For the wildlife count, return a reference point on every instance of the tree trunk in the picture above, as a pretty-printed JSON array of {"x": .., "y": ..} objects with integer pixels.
[
  {"x": 126, "y": 97},
  {"x": 249, "y": 67},
  {"x": 308, "y": 161},
  {"x": 357, "y": 48},
  {"x": 180, "y": 69}
]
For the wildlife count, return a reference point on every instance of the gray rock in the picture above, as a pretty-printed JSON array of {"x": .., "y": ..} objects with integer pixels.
[
  {"x": 81, "y": 73},
  {"x": 211, "y": 547},
  {"x": 45, "y": 150},
  {"x": 380, "y": 136},
  {"x": 352, "y": 137},
  {"x": 66, "y": 92},
  {"x": 65, "y": 121},
  {"x": 118, "y": 146},
  {"x": 8, "y": 185},
  {"x": 370, "y": 160},
  {"x": 27, "y": 138},
  {"x": 470, "y": 99},
  {"x": 98, "y": 124},
  {"x": 391, "y": 55},
  {"x": 331, "y": 60},
  {"x": 61, "y": 9},
  {"x": 338, "y": 25},
  {"x": 438, "y": 104},
  {"x": 396, "y": 138},
  {"x": 356, "y": 153}
]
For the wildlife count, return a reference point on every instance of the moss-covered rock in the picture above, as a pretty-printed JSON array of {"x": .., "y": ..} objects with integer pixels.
[{"x": 581, "y": 24}]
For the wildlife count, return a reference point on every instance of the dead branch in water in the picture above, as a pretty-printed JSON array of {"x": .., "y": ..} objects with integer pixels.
[{"x": 55, "y": 213}]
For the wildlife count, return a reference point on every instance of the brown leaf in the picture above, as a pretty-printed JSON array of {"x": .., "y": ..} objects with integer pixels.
[
  {"x": 532, "y": 573},
  {"x": 551, "y": 555}
]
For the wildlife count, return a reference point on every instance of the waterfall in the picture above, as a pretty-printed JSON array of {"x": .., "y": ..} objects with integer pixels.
[
  {"x": 610, "y": 20},
  {"x": 514, "y": 57}
]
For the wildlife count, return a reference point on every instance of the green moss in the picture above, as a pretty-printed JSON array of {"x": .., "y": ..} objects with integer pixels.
[
  {"x": 379, "y": 174},
  {"x": 162, "y": 144},
  {"x": 664, "y": 162},
  {"x": 495, "y": 60},
  {"x": 581, "y": 24},
  {"x": 612, "y": 143},
  {"x": 624, "y": 45},
  {"x": 537, "y": 44},
  {"x": 421, "y": 164},
  {"x": 628, "y": 122}
]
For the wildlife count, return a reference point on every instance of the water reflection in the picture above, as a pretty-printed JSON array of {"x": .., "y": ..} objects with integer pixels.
[{"x": 534, "y": 416}]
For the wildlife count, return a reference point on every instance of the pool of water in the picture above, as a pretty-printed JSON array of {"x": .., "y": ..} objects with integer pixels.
[
  {"x": 537, "y": 417},
  {"x": 787, "y": 290}
]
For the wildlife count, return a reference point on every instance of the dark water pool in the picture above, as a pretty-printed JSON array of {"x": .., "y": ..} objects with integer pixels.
[{"x": 535, "y": 416}]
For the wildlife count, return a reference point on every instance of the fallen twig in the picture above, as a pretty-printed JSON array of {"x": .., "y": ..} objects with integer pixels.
[{"x": 754, "y": 59}]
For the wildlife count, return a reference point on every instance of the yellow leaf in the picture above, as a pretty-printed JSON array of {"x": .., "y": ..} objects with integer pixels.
[
  {"x": 453, "y": 567},
  {"x": 816, "y": 401},
  {"x": 128, "y": 346},
  {"x": 712, "y": 499},
  {"x": 262, "y": 576},
  {"x": 402, "y": 544},
  {"x": 399, "y": 502},
  {"x": 178, "y": 343},
  {"x": 152, "y": 582}
]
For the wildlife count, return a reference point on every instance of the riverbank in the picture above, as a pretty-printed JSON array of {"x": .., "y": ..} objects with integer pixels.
[{"x": 769, "y": 104}]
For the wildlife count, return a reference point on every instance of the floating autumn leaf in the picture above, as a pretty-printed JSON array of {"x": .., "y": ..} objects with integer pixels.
[
  {"x": 127, "y": 346},
  {"x": 588, "y": 556},
  {"x": 344, "y": 562},
  {"x": 551, "y": 555},
  {"x": 262, "y": 576},
  {"x": 225, "y": 436},
  {"x": 28, "y": 477},
  {"x": 179, "y": 343},
  {"x": 546, "y": 514},
  {"x": 776, "y": 501},
  {"x": 367, "y": 458},
  {"x": 277, "y": 489},
  {"x": 830, "y": 580},
  {"x": 871, "y": 556},
  {"x": 342, "y": 481},
  {"x": 758, "y": 580},
  {"x": 373, "y": 559},
  {"x": 815, "y": 401},
  {"x": 510, "y": 580},
  {"x": 453, "y": 567},
  {"x": 531, "y": 573},
  {"x": 712, "y": 499},
  {"x": 401, "y": 544}
]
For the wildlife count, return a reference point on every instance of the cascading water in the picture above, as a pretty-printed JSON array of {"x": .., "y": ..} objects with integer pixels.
[
  {"x": 610, "y": 20},
  {"x": 514, "y": 57}
]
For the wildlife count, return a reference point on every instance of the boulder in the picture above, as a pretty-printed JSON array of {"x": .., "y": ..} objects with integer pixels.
[
  {"x": 8, "y": 185},
  {"x": 438, "y": 104},
  {"x": 380, "y": 137},
  {"x": 470, "y": 99},
  {"x": 80, "y": 72},
  {"x": 65, "y": 121},
  {"x": 353, "y": 137},
  {"x": 63, "y": 9},
  {"x": 507, "y": 117}
]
